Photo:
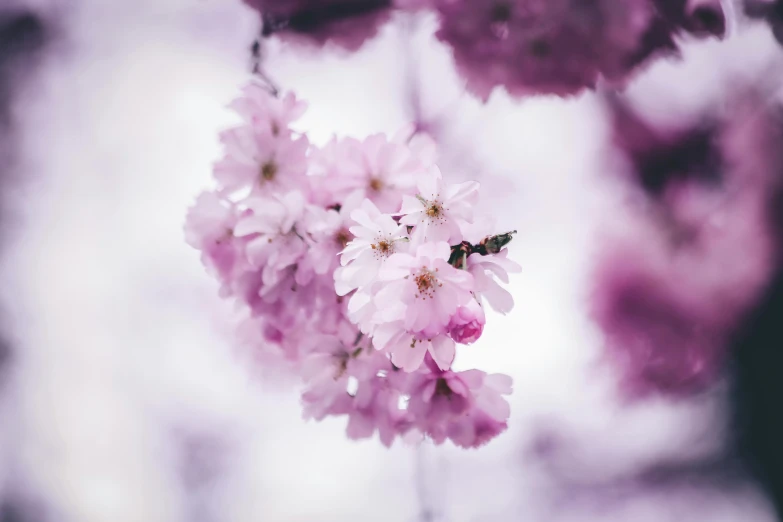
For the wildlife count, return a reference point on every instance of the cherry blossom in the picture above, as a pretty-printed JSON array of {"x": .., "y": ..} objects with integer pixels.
[
  {"x": 268, "y": 113},
  {"x": 422, "y": 291},
  {"x": 467, "y": 407},
  {"x": 344, "y": 277},
  {"x": 439, "y": 212},
  {"x": 376, "y": 237},
  {"x": 376, "y": 168}
]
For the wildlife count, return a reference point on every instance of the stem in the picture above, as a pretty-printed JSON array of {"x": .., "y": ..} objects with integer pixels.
[
  {"x": 488, "y": 245},
  {"x": 258, "y": 70}
]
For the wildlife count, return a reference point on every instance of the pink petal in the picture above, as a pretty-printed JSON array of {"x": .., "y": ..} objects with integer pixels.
[{"x": 443, "y": 351}]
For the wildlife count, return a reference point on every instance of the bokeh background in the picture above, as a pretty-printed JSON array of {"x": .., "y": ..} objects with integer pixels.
[{"x": 123, "y": 395}]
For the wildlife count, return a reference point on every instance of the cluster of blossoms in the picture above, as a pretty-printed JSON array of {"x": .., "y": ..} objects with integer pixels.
[
  {"x": 692, "y": 262},
  {"x": 565, "y": 46},
  {"x": 361, "y": 269},
  {"x": 557, "y": 47}
]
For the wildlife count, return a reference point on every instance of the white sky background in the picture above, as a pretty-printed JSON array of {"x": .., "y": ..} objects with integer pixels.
[{"x": 129, "y": 402}]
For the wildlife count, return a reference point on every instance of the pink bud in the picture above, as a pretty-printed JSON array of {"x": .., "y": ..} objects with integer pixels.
[{"x": 468, "y": 323}]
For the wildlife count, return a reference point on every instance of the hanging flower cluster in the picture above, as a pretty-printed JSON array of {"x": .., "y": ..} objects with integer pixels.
[
  {"x": 559, "y": 47},
  {"x": 359, "y": 267}
]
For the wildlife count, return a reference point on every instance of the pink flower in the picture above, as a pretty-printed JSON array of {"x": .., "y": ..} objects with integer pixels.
[
  {"x": 260, "y": 162},
  {"x": 466, "y": 407},
  {"x": 376, "y": 237},
  {"x": 376, "y": 168},
  {"x": 270, "y": 226},
  {"x": 328, "y": 362},
  {"x": 486, "y": 270},
  {"x": 209, "y": 227},
  {"x": 563, "y": 47},
  {"x": 334, "y": 171},
  {"x": 268, "y": 114},
  {"x": 376, "y": 406},
  {"x": 467, "y": 324},
  {"x": 210, "y": 221},
  {"x": 421, "y": 291},
  {"x": 327, "y": 233},
  {"x": 361, "y": 309},
  {"x": 439, "y": 211}
]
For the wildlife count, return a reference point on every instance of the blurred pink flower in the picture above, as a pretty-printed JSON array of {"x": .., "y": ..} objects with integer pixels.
[
  {"x": 376, "y": 168},
  {"x": 260, "y": 162},
  {"x": 542, "y": 47},
  {"x": 466, "y": 407},
  {"x": 268, "y": 114},
  {"x": 671, "y": 290},
  {"x": 273, "y": 244},
  {"x": 209, "y": 227}
]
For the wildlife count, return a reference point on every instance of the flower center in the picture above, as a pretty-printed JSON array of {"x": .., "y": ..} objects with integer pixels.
[
  {"x": 426, "y": 283},
  {"x": 383, "y": 247},
  {"x": 435, "y": 210},
  {"x": 442, "y": 388},
  {"x": 268, "y": 171},
  {"x": 343, "y": 237},
  {"x": 376, "y": 185}
]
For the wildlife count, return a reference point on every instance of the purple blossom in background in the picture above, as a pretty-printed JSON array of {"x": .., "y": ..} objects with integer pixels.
[
  {"x": 564, "y": 46},
  {"x": 671, "y": 291},
  {"x": 554, "y": 47},
  {"x": 559, "y": 47}
]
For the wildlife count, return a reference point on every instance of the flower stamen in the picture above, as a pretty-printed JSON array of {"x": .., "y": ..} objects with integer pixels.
[
  {"x": 268, "y": 171},
  {"x": 426, "y": 283}
]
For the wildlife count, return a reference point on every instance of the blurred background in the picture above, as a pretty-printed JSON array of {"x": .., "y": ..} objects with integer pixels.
[{"x": 123, "y": 395}]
